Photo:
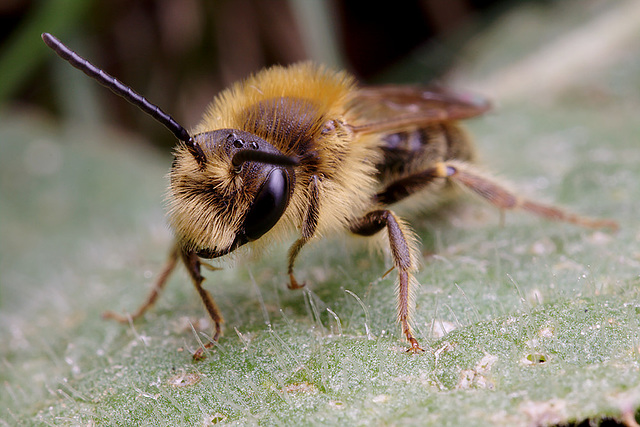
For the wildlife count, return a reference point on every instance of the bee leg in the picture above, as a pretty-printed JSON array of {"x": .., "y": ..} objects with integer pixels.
[
  {"x": 192, "y": 262},
  {"x": 408, "y": 185},
  {"x": 293, "y": 253},
  {"x": 505, "y": 199},
  {"x": 486, "y": 187},
  {"x": 158, "y": 286},
  {"x": 404, "y": 259},
  {"x": 309, "y": 225}
]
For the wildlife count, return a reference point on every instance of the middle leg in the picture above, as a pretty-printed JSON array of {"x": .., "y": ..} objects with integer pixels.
[
  {"x": 193, "y": 264},
  {"x": 404, "y": 259}
]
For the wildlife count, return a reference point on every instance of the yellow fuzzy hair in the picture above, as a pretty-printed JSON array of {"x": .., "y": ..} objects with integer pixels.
[{"x": 347, "y": 158}]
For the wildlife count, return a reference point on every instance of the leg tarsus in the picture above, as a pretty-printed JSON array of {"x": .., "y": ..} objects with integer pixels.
[
  {"x": 308, "y": 228},
  {"x": 294, "y": 284},
  {"x": 158, "y": 286},
  {"x": 200, "y": 353},
  {"x": 192, "y": 262},
  {"x": 504, "y": 199},
  {"x": 293, "y": 254},
  {"x": 415, "y": 346},
  {"x": 483, "y": 185}
]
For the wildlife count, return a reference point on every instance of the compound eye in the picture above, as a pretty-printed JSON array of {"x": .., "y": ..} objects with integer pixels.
[{"x": 269, "y": 205}]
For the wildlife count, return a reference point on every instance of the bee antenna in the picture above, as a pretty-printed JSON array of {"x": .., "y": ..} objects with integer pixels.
[
  {"x": 126, "y": 92},
  {"x": 262, "y": 157}
]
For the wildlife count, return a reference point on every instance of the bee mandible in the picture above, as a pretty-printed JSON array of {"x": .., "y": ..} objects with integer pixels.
[{"x": 305, "y": 150}]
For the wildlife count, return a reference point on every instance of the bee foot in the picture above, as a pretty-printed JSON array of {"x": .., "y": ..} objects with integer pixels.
[
  {"x": 293, "y": 283},
  {"x": 200, "y": 353},
  {"x": 415, "y": 346},
  {"x": 121, "y": 318}
]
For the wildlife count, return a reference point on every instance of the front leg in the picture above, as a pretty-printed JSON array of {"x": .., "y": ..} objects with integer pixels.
[
  {"x": 404, "y": 259},
  {"x": 193, "y": 264},
  {"x": 309, "y": 226},
  {"x": 158, "y": 286}
]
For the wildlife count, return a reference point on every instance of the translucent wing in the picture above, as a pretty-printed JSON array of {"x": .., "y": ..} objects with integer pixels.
[{"x": 390, "y": 108}]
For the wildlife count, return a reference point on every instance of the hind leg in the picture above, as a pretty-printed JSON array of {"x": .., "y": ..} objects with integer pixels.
[{"x": 486, "y": 187}]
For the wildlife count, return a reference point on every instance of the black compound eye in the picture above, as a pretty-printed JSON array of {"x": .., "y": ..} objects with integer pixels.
[{"x": 269, "y": 205}]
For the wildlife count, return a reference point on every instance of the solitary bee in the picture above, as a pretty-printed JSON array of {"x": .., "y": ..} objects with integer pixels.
[{"x": 304, "y": 149}]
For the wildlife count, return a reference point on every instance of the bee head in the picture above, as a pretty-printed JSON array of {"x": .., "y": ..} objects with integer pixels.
[{"x": 227, "y": 187}]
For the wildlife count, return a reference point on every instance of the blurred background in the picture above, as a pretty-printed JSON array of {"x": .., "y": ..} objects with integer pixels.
[{"x": 180, "y": 53}]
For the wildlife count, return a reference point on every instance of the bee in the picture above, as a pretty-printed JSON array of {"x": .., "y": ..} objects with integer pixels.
[{"x": 305, "y": 150}]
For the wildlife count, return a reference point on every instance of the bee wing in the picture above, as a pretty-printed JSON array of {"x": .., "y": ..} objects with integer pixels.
[{"x": 388, "y": 108}]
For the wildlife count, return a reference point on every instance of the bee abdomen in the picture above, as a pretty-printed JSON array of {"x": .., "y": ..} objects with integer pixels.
[{"x": 414, "y": 150}]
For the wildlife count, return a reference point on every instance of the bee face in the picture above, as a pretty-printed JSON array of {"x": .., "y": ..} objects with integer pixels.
[{"x": 230, "y": 198}]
